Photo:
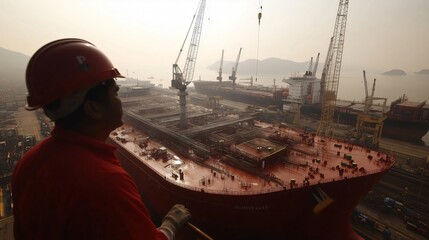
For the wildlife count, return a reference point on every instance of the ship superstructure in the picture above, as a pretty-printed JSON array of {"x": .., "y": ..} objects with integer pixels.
[{"x": 303, "y": 89}]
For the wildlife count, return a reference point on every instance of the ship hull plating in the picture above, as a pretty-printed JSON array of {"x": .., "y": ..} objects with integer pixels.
[{"x": 286, "y": 214}]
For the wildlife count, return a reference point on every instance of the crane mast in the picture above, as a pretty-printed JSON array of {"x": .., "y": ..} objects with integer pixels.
[
  {"x": 311, "y": 66},
  {"x": 315, "y": 65},
  {"x": 182, "y": 79},
  {"x": 331, "y": 72},
  {"x": 233, "y": 76},
  {"x": 220, "y": 69}
]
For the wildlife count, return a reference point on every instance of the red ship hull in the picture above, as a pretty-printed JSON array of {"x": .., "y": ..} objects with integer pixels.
[{"x": 284, "y": 214}]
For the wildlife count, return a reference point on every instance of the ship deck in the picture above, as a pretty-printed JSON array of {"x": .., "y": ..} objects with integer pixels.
[{"x": 294, "y": 159}]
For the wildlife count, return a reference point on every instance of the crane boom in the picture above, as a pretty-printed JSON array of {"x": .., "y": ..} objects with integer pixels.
[
  {"x": 191, "y": 59},
  {"x": 365, "y": 84},
  {"x": 315, "y": 65},
  {"x": 332, "y": 69},
  {"x": 310, "y": 67},
  {"x": 181, "y": 79},
  {"x": 220, "y": 69}
]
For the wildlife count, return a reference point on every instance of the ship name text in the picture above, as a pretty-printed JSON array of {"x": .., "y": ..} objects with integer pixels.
[{"x": 250, "y": 207}]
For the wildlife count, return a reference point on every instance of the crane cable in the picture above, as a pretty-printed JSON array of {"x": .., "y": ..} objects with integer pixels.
[{"x": 257, "y": 50}]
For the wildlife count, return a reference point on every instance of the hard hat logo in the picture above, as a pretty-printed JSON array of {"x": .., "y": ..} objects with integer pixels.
[{"x": 81, "y": 60}]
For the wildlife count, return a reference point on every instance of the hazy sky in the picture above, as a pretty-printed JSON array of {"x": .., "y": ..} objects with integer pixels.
[{"x": 144, "y": 37}]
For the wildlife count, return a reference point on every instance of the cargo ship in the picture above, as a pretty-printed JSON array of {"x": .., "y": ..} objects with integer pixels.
[
  {"x": 134, "y": 87},
  {"x": 242, "y": 178},
  {"x": 250, "y": 94}
]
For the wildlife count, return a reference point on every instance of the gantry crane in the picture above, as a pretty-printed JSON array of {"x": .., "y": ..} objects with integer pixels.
[
  {"x": 233, "y": 76},
  {"x": 331, "y": 70},
  {"x": 219, "y": 78},
  {"x": 182, "y": 79}
]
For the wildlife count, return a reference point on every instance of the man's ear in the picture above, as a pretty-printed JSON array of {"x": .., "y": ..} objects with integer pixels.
[{"x": 92, "y": 109}]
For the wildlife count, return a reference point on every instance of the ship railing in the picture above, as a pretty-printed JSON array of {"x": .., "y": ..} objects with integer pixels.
[{"x": 276, "y": 188}]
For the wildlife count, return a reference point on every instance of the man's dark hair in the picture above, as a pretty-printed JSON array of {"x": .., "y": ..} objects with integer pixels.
[{"x": 98, "y": 94}]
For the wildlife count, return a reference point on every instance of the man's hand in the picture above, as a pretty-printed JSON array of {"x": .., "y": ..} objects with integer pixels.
[{"x": 174, "y": 220}]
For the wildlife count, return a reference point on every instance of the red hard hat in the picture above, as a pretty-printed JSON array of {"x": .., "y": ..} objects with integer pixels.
[{"x": 62, "y": 67}]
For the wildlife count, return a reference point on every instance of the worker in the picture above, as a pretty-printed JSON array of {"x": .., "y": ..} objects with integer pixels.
[{"x": 71, "y": 185}]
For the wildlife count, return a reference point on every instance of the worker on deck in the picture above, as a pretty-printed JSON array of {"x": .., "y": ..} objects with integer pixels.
[{"x": 71, "y": 185}]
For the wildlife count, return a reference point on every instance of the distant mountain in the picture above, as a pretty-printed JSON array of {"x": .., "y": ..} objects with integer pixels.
[
  {"x": 12, "y": 65},
  {"x": 395, "y": 72},
  {"x": 423, "y": 72},
  {"x": 270, "y": 66}
]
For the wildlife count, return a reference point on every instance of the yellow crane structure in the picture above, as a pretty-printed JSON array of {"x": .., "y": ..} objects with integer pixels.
[
  {"x": 331, "y": 71},
  {"x": 368, "y": 122},
  {"x": 219, "y": 77},
  {"x": 213, "y": 101}
]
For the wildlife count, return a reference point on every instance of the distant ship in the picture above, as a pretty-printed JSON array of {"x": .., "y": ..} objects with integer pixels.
[
  {"x": 242, "y": 178},
  {"x": 251, "y": 94},
  {"x": 130, "y": 87}
]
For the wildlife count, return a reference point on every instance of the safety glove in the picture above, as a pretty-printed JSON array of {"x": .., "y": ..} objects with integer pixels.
[{"x": 174, "y": 220}]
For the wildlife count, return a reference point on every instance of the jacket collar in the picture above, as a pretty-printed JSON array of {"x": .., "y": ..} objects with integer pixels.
[{"x": 75, "y": 138}]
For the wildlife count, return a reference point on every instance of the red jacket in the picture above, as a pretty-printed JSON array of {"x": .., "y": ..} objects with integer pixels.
[{"x": 73, "y": 187}]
